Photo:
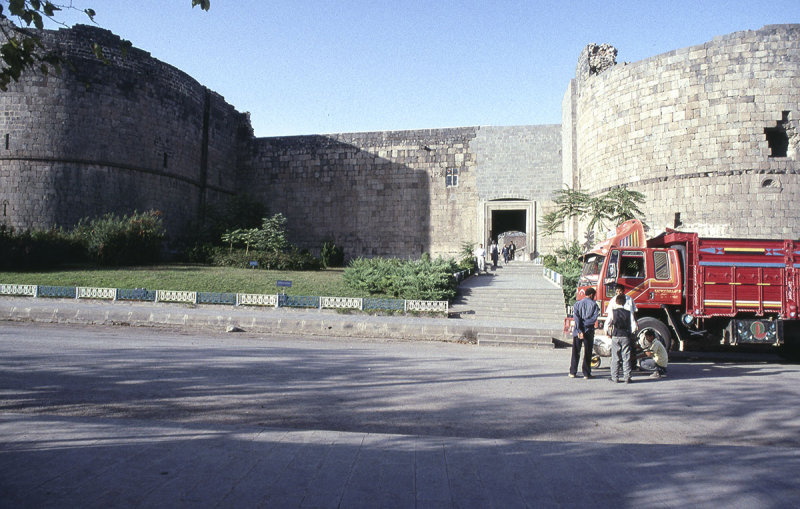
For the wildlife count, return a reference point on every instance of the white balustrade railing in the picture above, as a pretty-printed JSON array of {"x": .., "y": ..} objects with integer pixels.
[
  {"x": 24, "y": 290},
  {"x": 428, "y": 306},
  {"x": 176, "y": 296},
  {"x": 256, "y": 299},
  {"x": 82, "y": 292},
  {"x": 341, "y": 302}
]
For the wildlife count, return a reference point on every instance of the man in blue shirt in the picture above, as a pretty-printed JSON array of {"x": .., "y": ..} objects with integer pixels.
[{"x": 584, "y": 314}]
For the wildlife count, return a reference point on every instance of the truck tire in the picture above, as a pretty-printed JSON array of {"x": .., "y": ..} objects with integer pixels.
[{"x": 660, "y": 328}]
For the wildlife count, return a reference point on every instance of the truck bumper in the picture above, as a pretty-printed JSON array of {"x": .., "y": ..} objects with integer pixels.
[{"x": 758, "y": 331}]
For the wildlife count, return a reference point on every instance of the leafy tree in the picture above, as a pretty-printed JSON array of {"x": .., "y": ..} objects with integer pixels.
[
  {"x": 272, "y": 234},
  {"x": 270, "y": 237},
  {"x": 22, "y": 49},
  {"x": 599, "y": 211},
  {"x": 626, "y": 204},
  {"x": 569, "y": 204},
  {"x": 615, "y": 206}
]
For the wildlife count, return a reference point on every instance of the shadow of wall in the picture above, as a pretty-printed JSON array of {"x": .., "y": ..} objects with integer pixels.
[{"x": 374, "y": 194}]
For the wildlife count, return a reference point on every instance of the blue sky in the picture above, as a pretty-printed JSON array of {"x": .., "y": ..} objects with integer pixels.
[{"x": 317, "y": 67}]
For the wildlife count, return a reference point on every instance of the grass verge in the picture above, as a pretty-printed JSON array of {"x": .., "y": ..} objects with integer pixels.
[{"x": 201, "y": 278}]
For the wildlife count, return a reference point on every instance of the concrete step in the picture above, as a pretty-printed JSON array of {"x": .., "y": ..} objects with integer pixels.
[
  {"x": 515, "y": 296},
  {"x": 515, "y": 340},
  {"x": 512, "y": 301},
  {"x": 470, "y": 314},
  {"x": 494, "y": 305}
]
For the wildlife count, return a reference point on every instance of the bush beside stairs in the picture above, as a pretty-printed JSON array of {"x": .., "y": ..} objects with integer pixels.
[{"x": 514, "y": 305}]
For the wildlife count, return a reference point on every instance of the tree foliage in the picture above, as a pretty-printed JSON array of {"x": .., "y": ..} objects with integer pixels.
[
  {"x": 568, "y": 262},
  {"x": 22, "y": 48},
  {"x": 609, "y": 209},
  {"x": 123, "y": 240},
  {"x": 271, "y": 236},
  {"x": 331, "y": 255}
]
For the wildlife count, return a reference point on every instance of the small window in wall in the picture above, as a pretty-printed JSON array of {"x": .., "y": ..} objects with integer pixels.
[
  {"x": 165, "y": 159},
  {"x": 777, "y": 139},
  {"x": 451, "y": 177},
  {"x": 770, "y": 185},
  {"x": 661, "y": 264},
  {"x": 8, "y": 141}
]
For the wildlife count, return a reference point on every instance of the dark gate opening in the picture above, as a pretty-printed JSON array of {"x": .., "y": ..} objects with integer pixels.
[{"x": 507, "y": 221}]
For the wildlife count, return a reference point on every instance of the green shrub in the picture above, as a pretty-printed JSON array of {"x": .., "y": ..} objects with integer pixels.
[
  {"x": 39, "y": 249},
  {"x": 405, "y": 279},
  {"x": 271, "y": 236},
  {"x": 567, "y": 262},
  {"x": 114, "y": 240},
  {"x": 268, "y": 260},
  {"x": 550, "y": 261},
  {"x": 331, "y": 255}
]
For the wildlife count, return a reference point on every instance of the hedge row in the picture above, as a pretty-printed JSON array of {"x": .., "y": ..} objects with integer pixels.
[
  {"x": 406, "y": 279},
  {"x": 106, "y": 240}
]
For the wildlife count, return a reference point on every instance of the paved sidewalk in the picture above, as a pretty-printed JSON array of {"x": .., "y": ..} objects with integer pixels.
[
  {"x": 250, "y": 319},
  {"x": 79, "y": 462}
]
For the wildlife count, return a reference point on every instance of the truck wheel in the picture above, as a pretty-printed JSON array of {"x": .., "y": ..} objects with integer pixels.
[{"x": 657, "y": 326}]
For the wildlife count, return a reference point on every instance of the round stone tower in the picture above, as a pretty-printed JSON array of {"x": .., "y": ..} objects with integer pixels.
[
  {"x": 708, "y": 133},
  {"x": 129, "y": 133}
]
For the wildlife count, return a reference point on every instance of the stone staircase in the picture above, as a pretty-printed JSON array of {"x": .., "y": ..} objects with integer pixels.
[{"x": 514, "y": 305}]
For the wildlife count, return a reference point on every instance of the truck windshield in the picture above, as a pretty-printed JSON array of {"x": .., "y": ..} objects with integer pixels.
[{"x": 592, "y": 263}]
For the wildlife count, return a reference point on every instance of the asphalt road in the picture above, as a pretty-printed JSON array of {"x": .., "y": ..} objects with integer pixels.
[
  {"x": 432, "y": 389},
  {"x": 128, "y": 417}
]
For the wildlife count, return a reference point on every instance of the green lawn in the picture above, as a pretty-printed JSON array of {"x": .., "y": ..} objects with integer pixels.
[{"x": 324, "y": 283}]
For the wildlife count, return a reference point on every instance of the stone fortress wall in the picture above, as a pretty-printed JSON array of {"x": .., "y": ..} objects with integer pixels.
[
  {"x": 132, "y": 135},
  {"x": 387, "y": 193},
  {"x": 138, "y": 134},
  {"x": 709, "y": 132},
  {"x": 692, "y": 129}
]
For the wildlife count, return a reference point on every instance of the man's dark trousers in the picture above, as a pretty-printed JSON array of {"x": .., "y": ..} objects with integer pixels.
[{"x": 588, "y": 346}]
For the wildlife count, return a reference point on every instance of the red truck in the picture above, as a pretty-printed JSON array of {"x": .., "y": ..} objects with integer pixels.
[{"x": 689, "y": 288}]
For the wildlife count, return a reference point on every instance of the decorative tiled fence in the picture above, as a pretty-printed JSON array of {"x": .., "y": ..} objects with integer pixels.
[
  {"x": 549, "y": 273},
  {"x": 25, "y": 290},
  {"x": 554, "y": 276},
  {"x": 232, "y": 299}
]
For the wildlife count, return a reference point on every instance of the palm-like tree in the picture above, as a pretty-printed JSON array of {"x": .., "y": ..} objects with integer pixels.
[
  {"x": 626, "y": 204},
  {"x": 615, "y": 207},
  {"x": 569, "y": 204}
]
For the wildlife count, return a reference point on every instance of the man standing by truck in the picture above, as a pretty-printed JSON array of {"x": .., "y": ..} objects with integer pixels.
[
  {"x": 629, "y": 306},
  {"x": 584, "y": 314},
  {"x": 619, "y": 323}
]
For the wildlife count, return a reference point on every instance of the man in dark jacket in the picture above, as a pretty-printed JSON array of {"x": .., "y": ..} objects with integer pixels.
[{"x": 584, "y": 313}]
